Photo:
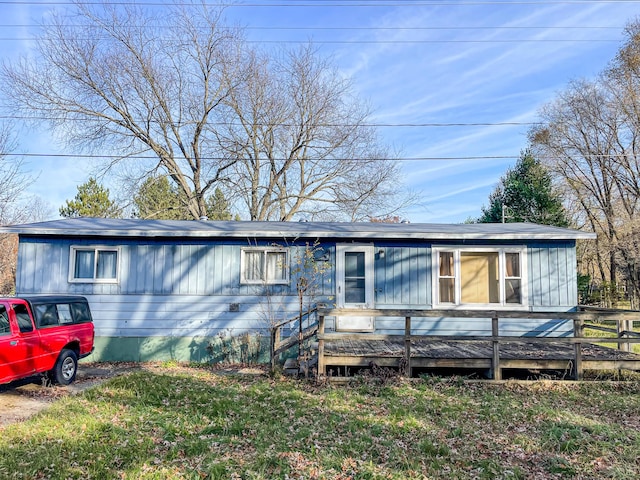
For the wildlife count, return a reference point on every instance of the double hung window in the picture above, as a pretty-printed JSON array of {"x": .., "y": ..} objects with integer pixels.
[
  {"x": 94, "y": 264},
  {"x": 480, "y": 276},
  {"x": 264, "y": 265}
]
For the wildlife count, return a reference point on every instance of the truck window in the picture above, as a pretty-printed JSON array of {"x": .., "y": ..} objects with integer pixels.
[
  {"x": 23, "y": 317},
  {"x": 81, "y": 313},
  {"x": 46, "y": 315},
  {"x": 64, "y": 313},
  {"x": 4, "y": 321}
]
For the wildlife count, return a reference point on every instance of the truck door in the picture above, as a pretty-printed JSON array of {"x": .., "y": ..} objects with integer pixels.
[{"x": 19, "y": 350}]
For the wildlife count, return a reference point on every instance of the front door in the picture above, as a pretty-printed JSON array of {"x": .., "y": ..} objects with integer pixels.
[{"x": 354, "y": 264}]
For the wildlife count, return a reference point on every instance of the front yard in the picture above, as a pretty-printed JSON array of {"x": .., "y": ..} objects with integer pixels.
[{"x": 175, "y": 422}]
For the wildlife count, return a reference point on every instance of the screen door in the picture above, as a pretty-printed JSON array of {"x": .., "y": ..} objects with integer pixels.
[{"x": 354, "y": 266}]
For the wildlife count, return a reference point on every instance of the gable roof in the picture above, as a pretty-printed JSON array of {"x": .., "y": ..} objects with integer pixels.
[{"x": 133, "y": 228}]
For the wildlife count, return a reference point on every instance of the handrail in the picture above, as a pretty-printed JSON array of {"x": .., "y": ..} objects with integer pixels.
[
  {"x": 297, "y": 317},
  {"x": 278, "y": 345},
  {"x": 454, "y": 313}
]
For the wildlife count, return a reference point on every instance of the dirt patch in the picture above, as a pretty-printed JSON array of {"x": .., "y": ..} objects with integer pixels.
[{"x": 22, "y": 399}]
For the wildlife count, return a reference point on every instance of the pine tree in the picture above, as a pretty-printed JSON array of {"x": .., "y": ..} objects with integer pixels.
[
  {"x": 157, "y": 199},
  {"x": 525, "y": 194},
  {"x": 218, "y": 207},
  {"x": 92, "y": 200}
]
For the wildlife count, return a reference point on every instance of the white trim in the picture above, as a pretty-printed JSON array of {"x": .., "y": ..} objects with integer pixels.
[
  {"x": 500, "y": 250},
  {"x": 265, "y": 250},
  {"x": 96, "y": 249},
  {"x": 355, "y": 323}
]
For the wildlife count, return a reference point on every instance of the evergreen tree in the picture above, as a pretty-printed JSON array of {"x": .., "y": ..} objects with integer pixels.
[
  {"x": 92, "y": 200},
  {"x": 158, "y": 199},
  {"x": 526, "y": 192},
  {"x": 218, "y": 207}
]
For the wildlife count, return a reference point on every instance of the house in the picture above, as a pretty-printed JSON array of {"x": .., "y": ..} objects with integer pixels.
[{"x": 189, "y": 290}]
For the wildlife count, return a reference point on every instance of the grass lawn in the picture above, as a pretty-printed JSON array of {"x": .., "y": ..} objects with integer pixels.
[{"x": 178, "y": 422}]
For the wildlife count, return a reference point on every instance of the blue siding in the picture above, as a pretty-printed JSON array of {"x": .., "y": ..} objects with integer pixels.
[
  {"x": 180, "y": 288},
  {"x": 402, "y": 276},
  {"x": 552, "y": 276}
]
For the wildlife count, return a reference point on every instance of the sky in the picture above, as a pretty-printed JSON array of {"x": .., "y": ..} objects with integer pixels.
[{"x": 454, "y": 84}]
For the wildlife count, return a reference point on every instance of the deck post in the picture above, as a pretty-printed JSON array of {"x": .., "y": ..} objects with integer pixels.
[
  {"x": 275, "y": 339},
  {"x": 407, "y": 345},
  {"x": 578, "y": 330},
  {"x": 322, "y": 368},
  {"x": 497, "y": 370},
  {"x": 623, "y": 326}
]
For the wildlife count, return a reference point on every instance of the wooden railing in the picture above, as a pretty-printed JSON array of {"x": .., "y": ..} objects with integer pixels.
[
  {"x": 309, "y": 328},
  {"x": 624, "y": 320}
]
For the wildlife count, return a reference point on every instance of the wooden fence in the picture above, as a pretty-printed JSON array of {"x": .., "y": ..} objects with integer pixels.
[{"x": 582, "y": 319}]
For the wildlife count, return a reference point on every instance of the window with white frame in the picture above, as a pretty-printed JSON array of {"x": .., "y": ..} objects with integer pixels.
[
  {"x": 94, "y": 264},
  {"x": 480, "y": 276},
  {"x": 264, "y": 265}
]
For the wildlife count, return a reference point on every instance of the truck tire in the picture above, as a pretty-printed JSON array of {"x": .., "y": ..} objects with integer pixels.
[{"x": 65, "y": 369}]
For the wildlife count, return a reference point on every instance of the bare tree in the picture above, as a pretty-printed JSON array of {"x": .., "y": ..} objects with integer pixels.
[
  {"x": 577, "y": 138},
  {"x": 589, "y": 136},
  {"x": 15, "y": 207},
  {"x": 137, "y": 82},
  {"x": 302, "y": 143},
  {"x": 282, "y": 135}
]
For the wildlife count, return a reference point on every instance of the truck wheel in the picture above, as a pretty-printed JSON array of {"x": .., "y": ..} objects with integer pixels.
[{"x": 66, "y": 367}]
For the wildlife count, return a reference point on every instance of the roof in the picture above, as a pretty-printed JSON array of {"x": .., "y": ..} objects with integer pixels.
[{"x": 136, "y": 228}]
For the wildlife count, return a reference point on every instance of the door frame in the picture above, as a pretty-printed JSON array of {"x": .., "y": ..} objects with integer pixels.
[{"x": 355, "y": 324}]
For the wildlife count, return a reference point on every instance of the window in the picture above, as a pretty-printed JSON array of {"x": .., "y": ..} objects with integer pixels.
[
  {"x": 482, "y": 276},
  {"x": 94, "y": 264},
  {"x": 264, "y": 265},
  {"x": 23, "y": 318},
  {"x": 4, "y": 321},
  {"x": 54, "y": 314}
]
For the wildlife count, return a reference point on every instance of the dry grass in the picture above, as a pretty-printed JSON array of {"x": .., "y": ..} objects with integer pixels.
[{"x": 172, "y": 423}]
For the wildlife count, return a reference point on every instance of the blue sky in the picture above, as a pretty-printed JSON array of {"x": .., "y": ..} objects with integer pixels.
[{"x": 425, "y": 67}]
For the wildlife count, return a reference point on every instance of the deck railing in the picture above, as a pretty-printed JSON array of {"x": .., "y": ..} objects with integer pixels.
[
  {"x": 306, "y": 325},
  {"x": 582, "y": 319}
]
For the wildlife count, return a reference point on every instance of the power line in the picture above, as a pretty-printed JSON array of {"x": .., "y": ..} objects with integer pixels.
[
  {"x": 331, "y": 3},
  {"x": 347, "y": 28},
  {"x": 346, "y": 125},
  {"x": 154, "y": 157},
  {"x": 389, "y": 159},
  {"x": 393, "y": 42}
]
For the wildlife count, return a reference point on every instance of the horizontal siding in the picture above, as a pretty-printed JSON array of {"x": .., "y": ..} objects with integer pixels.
[{"x": 186, "y": 315}]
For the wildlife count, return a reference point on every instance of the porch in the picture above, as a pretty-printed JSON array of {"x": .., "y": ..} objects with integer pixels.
[{"x": 338, "y": 352}]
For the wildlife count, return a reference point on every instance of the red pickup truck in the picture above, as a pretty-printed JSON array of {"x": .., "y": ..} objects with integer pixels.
[{"x": 44, "y": 334}]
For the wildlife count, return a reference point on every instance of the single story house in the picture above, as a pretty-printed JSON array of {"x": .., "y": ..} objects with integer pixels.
[{"x": 185, "y": 289}]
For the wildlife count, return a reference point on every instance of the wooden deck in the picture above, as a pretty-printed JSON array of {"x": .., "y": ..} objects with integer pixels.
[
  {"x": 433, "y": 354},
  {"x": 493, "y": 353}
]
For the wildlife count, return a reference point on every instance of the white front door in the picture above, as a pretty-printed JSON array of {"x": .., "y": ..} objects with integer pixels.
[{"x": 354, "y": 265}]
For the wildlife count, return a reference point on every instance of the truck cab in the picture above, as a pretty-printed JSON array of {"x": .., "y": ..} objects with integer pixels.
[{"x": 44, "y": 334}]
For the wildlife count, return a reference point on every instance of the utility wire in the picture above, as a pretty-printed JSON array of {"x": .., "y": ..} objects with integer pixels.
[
  {"x": 390, "y": 159},
  {"x": 154, "y": 157},
  {"x": 373, "y": 125},
  {"x": 330, "y": 3},
  {"x": 393, "y": 42}
]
